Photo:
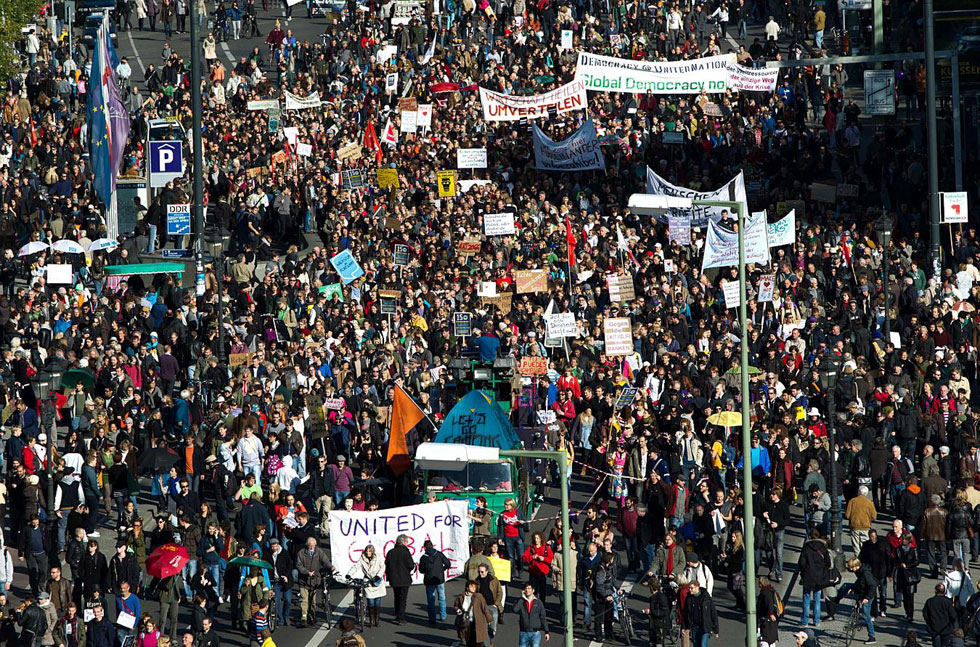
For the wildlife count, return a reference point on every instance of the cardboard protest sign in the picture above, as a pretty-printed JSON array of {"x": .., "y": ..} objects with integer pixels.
[
  {"x": 534, "y": 366},
  {"x": 618, "y": 333},
  {"x": 531, "y": 281}
]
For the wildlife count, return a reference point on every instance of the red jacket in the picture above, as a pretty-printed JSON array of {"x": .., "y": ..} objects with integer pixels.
[{"x": 539, "y": 567}]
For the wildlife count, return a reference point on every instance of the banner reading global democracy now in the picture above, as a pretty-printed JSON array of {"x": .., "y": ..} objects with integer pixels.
[
  {"x": 699, "y": 216},
  {"x": 445, "y": 523},
  {"x": 580, "y": 152},
  {"x": 509, "y": 107},
  {"x": 609, "y": 74}
]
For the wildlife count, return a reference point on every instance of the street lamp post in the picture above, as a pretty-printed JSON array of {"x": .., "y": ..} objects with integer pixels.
[
  {"x": 828, "y": 382},
  {"x": 884, "y": 227}
]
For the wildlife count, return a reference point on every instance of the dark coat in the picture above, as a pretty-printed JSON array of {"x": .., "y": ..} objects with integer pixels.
[
  {"x": 814, "y": 565},
  {"x": 399, "y": 566},
  {"x": 533, "y": 620},
  {"x": 940, "y": 615},
  {"x": 433, "y": 566}
]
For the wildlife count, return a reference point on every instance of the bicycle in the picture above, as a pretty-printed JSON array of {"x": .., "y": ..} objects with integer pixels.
[
  {"x": 325, "y": 578},
  {"x": 625, "y": 619},
  {"x": 360, "y": 600}
]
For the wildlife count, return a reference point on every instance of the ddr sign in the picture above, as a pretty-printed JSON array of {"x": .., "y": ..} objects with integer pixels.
[
  {"x": 178, "y": 219},
  {"x": 166, "y": 162}
]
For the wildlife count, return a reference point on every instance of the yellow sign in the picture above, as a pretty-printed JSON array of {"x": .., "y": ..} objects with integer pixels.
[
  {"x": 501, "y": 568},
  {"x": 446, "y": 180},
  {"x": 388, "y": 177}
]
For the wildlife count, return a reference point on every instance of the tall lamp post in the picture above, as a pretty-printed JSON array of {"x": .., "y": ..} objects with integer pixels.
[
  {"x": 829, "y": 365},
  {"x": 883, "y": 227}
]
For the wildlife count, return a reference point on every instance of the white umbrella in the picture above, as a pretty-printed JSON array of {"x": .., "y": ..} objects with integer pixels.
[
  {"x": 102, "y": 244},
  {"x": 32, "y": 248},
  {"x": 68, "y": 247}
]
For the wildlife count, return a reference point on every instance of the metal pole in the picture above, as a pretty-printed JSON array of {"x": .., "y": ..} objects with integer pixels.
[
  {"x": 954, "y": 62},
  {"x": 884, "y": 283},
  {"x": 932, "y": 136},
  {"x": 834, "y": 492},
  {"x": 879, "y": 28},
  {"x": 198, "y": 152},
  {"x": 749, "y": 515},
  {"x": 566, "y": 550}
]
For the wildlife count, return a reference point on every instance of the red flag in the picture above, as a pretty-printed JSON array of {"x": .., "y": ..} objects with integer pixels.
[
  {"x": 371, "y": 140},
  {"x": 845, "y": 245},
  {"x": 570, "y": 239},
  {"x": 33, "y": 132}
]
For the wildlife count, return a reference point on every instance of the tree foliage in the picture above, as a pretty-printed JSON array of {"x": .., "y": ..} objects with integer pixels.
[{"x": 14, "y": 16}]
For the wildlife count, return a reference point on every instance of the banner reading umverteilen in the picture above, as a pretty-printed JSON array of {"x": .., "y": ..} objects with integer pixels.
[
  {"x": 510, "y": 107},
  {"x": 445, "y": 523},
  {"x": 610, "y": 74}
]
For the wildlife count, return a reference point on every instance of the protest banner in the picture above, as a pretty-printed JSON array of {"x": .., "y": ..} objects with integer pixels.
[
  {"x": 749, "y": 79},
  {"x": 462, "y": 324},
  {"x": 408, "y": 104},
  {"x": 503, "y": 301},
  {"x": 388, "y": 178},
  {"x": 501, "y": 568},
  {"x": 783, "y": 231},
  {"x": 610, "y": 74},
  {"x": 580, "y": 152},
  {"x": 618, "y": 333},
  {"x": 534, "y": 366},
  {"x": 294, "y": 102},
  {"x": 498, "y": 224},
  {"x": 400, "y": 254},
  {"x": 785, "y": 206},
  {"x": 410, "y": 121},
  {"x": 562, "y": 324},
  {"x": 351, "y": 179},
  {"x": 333, "y": 404},
  {"x": 391, "y": 83},
  {"x": 425, "y": 115},
  {"x": 698, "y": 215},
  {"x": 392, "y": 223},
  {"x": 331, "y": 290},
  {"x": 513, "y": 107},
  {"x": 350, "y": 152},
  {"x": 823, "y": 192},
  {"x": 620, "y": 287},
  {"x": 679, "y": 229},
  {"x": 444, "y": 523},
  {"x": 626, "y": 396},
  {"x": 263, "y": 104},
  {"x": 721, "y": 247},
  {"x": 347, "y": 266},
  {"x": 733, "y": 296},
  {"x": 847, "y": 190},
  {"x": 238, "y": 359},
  {"x": 469, "y": 246},
  {"x": 767, "y": 287},
  {"x": 471, "y": 158},
  {"x": 304, "y": 150},
  {"x": 532, "y": 281},
  {"x": 389, "y": 301},
  {"x": 446, "y": 183}
]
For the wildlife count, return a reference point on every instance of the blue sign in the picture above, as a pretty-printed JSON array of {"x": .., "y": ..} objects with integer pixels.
[
  {"x": 166, "y": 162},
  {"x": 176, "y": 253},
  {"x": 178, "y": 219},
  {"x": 347, "y": 266},
  {"x": 478, "y": 420}
]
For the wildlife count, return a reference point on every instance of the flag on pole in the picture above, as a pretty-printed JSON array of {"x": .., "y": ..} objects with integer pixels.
[
  {"x": 405, "y": 414},
  {"x": 388, "y": 135},
  {"x": 108, "y": 118},
  {"x": 570, "y": 239},
  {"x": 845, "y": 245},
  {"x": 624, "y": 246},
  {"x": 371, "y": 140}
]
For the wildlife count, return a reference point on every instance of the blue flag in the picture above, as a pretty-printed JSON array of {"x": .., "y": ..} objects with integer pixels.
[{"x": 107, "y": 117}]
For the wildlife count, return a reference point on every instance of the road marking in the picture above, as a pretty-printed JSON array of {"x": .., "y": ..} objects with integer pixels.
[
  {"x": 732, "y": 41},
  {"x": 227, "y": 51},
  {"x": 136, "y": 52},
  {"x": 321, "y": 633}
]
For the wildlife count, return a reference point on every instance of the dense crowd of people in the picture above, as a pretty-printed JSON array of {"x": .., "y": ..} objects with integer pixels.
[{"x": 164, "y": 441}]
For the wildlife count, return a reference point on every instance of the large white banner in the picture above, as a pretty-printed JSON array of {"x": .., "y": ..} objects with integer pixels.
[
  {"x": 699, "y": 216},
  {"x": 511, "y": 107},
  {"x": 749, "y": 79},
  {"x": 580, "y": 152},
  {"x": 783, "y": 231},
  {"x": 295, "y": 102},
  {"x": 721, "y": 247},
  {"x": 610, "y": 74},
  {"x": 499, "y": 224},
  {"x": 445, "y": 523}
]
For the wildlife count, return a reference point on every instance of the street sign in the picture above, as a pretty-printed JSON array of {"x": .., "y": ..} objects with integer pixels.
[
  {"x": 178, "y": 219},
  {"x": 879, "y": 92},
  {"x": 954, "y": 207},
  {"x": 166, "y": 162},
  {"x": 176, "y": 253}
]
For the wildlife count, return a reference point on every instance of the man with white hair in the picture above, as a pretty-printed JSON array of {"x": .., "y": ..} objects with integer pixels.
[{"x": 860, "y": 514}]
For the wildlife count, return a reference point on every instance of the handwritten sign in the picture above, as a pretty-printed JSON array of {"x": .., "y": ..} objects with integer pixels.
[
  {"x": 408, "y": 104},
  {"x": 331, "y": 290},
  {"x": 620, "y": 287},
  {"x": 618, "y": 332},
  {"x": 501, "y": 568},
  {"x": 534, "y": 366},
  {"x": 469, "y": 246},
  {"x": 347, "y": 266},
  {"x": 333, "y": 404},
  {"x": 562, "y": 324},
  {"x": 444, "y": 523},
  {"x": 531, "y": 281},
  {"x": 503, "y": 301},
  {"x": 462, "y": 324},
  {"x": 498, "y": 224},
  {"x": 237, "y": 359},
  {"x": 388, "y": 178}
]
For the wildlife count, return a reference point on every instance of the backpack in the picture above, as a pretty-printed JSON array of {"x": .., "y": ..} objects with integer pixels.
[
  {"x": 273, "y": 465},
  {"x": 778, "y": 603},
  {"x": 348, "y": 641}
]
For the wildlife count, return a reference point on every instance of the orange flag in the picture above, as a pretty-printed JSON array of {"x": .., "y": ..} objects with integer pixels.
[{"x": 405, "y": 414}]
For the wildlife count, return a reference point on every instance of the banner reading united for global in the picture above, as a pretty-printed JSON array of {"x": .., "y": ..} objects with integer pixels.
[{"x": 609, "y": 74}]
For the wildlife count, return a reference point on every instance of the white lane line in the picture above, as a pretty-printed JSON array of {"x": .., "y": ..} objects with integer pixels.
[
  {"x": 136, "y": 52},
  {"x": 227, "y": 51},
  {"x": 321, "y": 633}
]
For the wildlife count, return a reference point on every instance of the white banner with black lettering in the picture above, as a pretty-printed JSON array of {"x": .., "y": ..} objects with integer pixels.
[
  {"x": 445, "y": 523},
  {"x": 657, "y": 185},
  {"x": 580, "y": 152},
  {"x": 748, "y": 79},
  {"x": 295, "y": 102},
  {"x": 610, "y": 74},
  {"x": 511, "y": 107},
  {"x": 721, "y": 247}
]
